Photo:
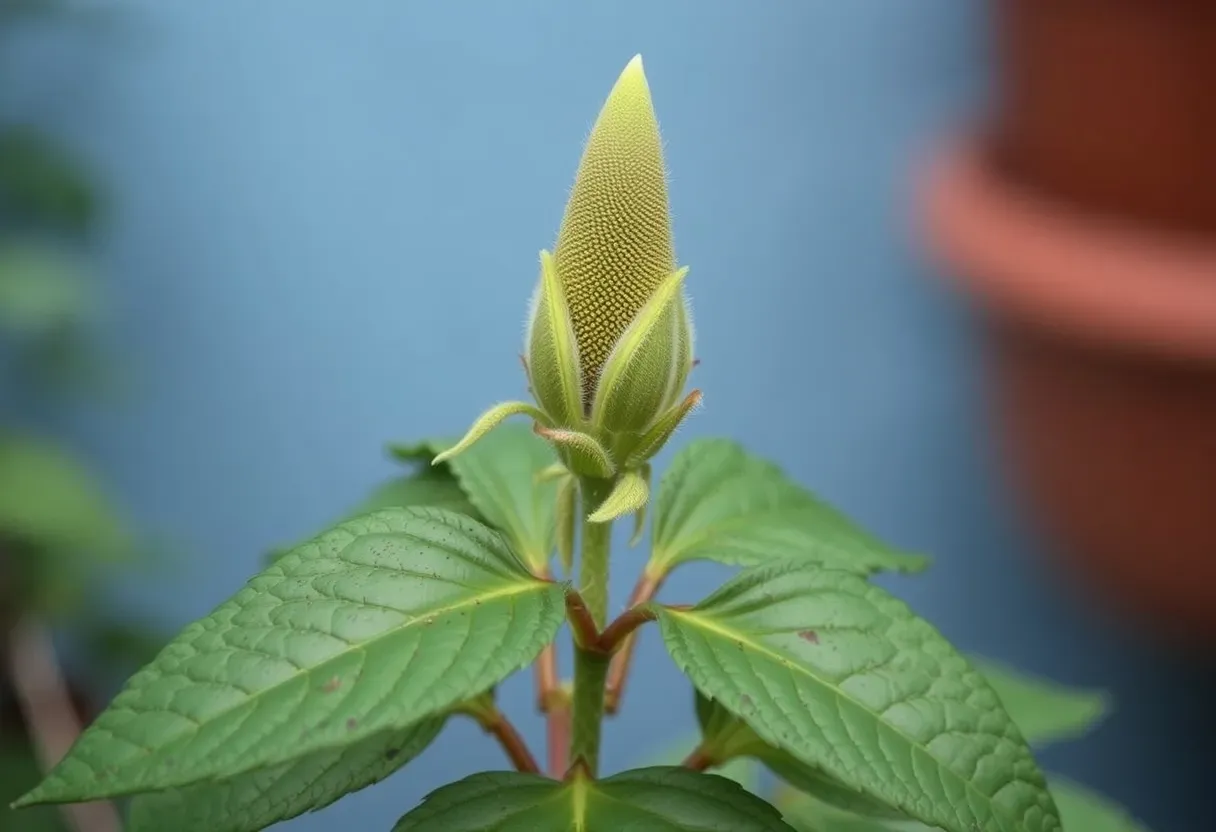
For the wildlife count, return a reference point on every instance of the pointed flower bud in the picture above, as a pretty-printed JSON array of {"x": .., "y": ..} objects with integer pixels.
[{"x": 609, "y": 344}]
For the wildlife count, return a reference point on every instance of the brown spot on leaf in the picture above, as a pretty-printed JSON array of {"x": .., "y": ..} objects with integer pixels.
[
  {"x": 352, "y": 724},
  {"x": 392, "y": 753},
  {"x": 332, "y": 684},
  {"x": 745, "y": 702},
  {"x": 809, "y": 635}
]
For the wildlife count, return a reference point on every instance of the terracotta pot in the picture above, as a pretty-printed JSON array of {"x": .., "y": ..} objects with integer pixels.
[
  {"x": 1103, "y": 373},
  {"x": 1083, "y": 223},
  {"x": 1108, "y": 106}
]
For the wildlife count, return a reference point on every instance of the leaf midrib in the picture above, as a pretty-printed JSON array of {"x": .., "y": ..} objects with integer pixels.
[{"x": 705, "y": 623}]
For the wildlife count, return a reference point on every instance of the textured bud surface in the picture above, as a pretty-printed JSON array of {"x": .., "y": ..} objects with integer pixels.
[{"x": 614, "y": 247}]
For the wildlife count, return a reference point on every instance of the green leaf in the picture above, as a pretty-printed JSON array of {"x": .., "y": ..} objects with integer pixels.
[
  {"x": 717, "y": 502},
  {"x": 381, "y": 622},
  {"x": 1084, "y": 810},
  {"x": 1044, "y": 711},
  {"x": 727, "y": 737},
  {"x": 653, "y": 799},
  {"x": 49, "y": 500},
  {"x": 844, "y": 677},
  {"x": 42, "y": 291},
  {"x": 257, "y": 799},
  {"x": 807, "y": 813},
  {"x": 1081, "y": 810},
  {"x": 501, "y": 476}
]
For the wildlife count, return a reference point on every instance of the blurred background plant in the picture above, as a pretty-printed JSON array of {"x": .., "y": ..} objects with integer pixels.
[{"x": 59, "y": 530}]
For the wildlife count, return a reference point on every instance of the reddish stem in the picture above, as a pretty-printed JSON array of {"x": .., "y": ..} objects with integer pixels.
[
  {"x": 698, "y": 760},
  {"x": 618, "y": 674},
  {"x": 496, "y": 724},
  {"x": 586, "y": 634},
  {"x": 558, "y": 728}
]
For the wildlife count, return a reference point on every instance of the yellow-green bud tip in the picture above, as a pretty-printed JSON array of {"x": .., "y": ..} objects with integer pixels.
[{"x": 614, "y": 247}]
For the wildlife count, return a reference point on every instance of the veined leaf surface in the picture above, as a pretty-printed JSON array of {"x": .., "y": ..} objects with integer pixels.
[
  {"x": 718, "y": 502},
  {"x": 257, "y": 799},
  {"x": 653, "y": 799},
  {"x": 383, "y": 621},
  {"x": 844, "y": 677}
]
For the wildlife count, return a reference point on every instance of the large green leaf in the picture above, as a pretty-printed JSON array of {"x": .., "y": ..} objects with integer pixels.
[
  {"x": 49, "y": 500},
  {"x": 807, "y": 813},
  {"x": 652, "y": 799},
  {"x": 500, "y": 475},
  {"x": 1083, "y": 810},
  {"x": 1043, "y": 710},
  {"x": 717, "y": 502},
  {"x": 385, "y": 620},
  {"x": 255, "y": 800},
  {"x": 844, "y": 677},
  {"x": 727, "y": 737}
]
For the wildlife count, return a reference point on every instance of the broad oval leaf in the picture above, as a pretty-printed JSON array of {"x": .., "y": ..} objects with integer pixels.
[
  {"x": 257, "y": 799},
  {"x": 500, "y": 473},
  {"x": 1044, "y": 711},
  {"x": 718, "y": 502},
  {"x": 844, "y": 677},
  {"x": 658, "y": 799},
  {"x": 729, "y": 737},
  {"x": 1081, "y": 810},
  {"x": 383, "y": 621}
]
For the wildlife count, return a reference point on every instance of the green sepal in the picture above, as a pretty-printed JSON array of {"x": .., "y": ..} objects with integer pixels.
[
  {"x": 653, "y": 440},
  {"x": 629, "y": 494},
  {"x": 581, "y": 452},
  {"x": 684, "y": 351},
  {"x": 566, "y": 514},
  {"x": 642, "y": 368},
  {"x": 486, "y": 422},
  {"x": 639, "y": 516},
  {"x": 553, "y": 362}
]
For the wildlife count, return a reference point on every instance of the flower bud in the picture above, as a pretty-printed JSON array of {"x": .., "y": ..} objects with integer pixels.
[{"x": 609, "y": 343}]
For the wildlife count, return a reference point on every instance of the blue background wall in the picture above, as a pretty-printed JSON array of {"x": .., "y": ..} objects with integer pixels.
[{"x": 324, "y": 228}]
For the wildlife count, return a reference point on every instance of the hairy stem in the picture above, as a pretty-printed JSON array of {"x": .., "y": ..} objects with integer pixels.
[
  {"x": 645, "y": 590},
  {"x": 591, "y": 664},
  {"x": 495, "y": 723}
]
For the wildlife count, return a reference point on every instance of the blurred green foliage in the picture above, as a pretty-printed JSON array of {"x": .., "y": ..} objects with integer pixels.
[{"x": 59, "y": 531}]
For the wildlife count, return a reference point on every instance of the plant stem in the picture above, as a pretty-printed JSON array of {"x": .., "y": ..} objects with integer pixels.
[
  {"x": 645, "y": 590},
  {"x": 591, "y": 665},
  {"x": 50, "y": 716},
  {"x": 496, "y": 724},
  {"x": 698, "y": 760},
  {"x": 557, "y": 718}
]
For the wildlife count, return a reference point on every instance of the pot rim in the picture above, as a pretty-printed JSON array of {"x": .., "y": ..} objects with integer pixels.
[{"x": 1042, "y": 263}]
